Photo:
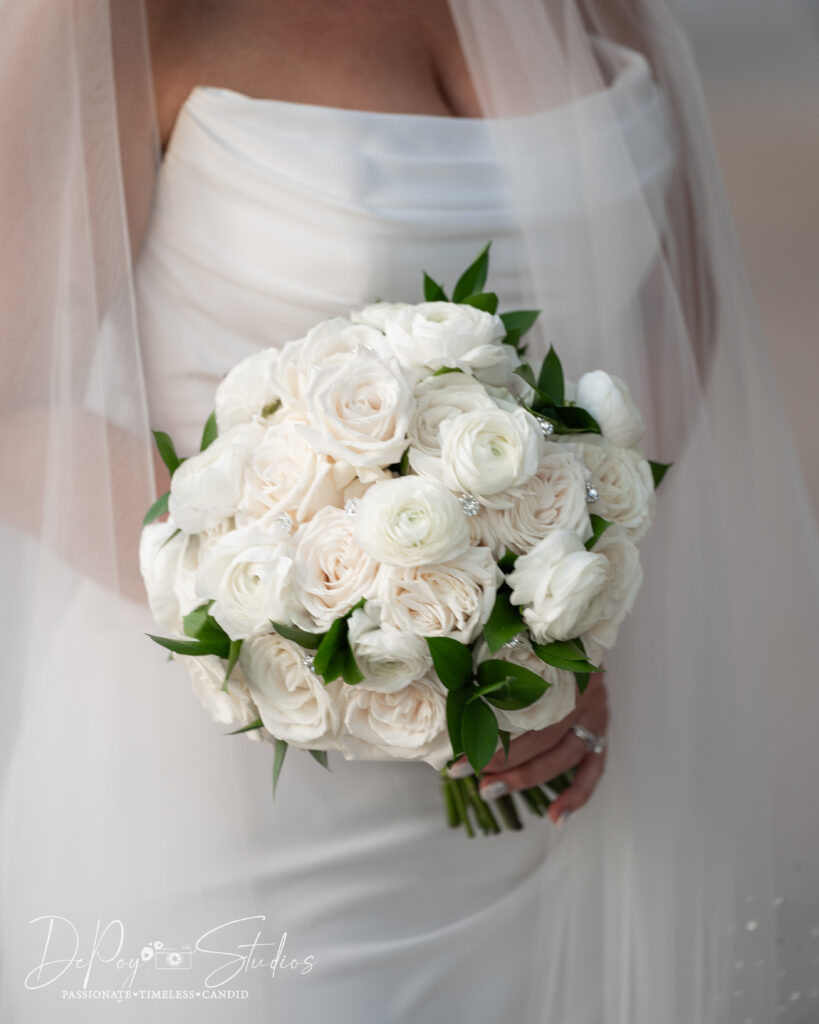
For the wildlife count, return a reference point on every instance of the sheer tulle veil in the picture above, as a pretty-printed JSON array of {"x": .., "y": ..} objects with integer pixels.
[{"x": 690, "y": 888}]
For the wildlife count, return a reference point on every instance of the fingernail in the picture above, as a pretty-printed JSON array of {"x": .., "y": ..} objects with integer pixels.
[
  {"x": 492, "y": 790},
  {"x": 564, "y": 817},
  {"x": 460, "y": 770}
]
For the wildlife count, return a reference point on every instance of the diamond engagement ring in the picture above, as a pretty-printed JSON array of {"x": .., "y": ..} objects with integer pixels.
[{"x": 596, "y": 744}]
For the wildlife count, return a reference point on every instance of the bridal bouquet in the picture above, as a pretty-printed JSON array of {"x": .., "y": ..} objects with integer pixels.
[{"x": 400, "y": 540}]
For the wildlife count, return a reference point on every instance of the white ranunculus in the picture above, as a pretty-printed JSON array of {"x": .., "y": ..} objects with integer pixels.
[
  {"x": 447, "y": 599},
  {"x": 247, "y": 574},
  {"x": 331, "y": 572},
  {"x": 556, "y": 583},
  {"x": 406, "y": 724},
  {"x": 411, "y": 521},
  {"x": 615, "y": 601},
  {"x": 294, "y": 703},
  {"x": 388, "y": 657},
  {"x": 557, "y": 702},
  {"x": 207, "y": 487},
  {"x": 168, "y": 559},
  {"x": 607, "y": 398},
  {"x": 334, "y": 342},
  {"x": 554, "y": 498},
  {"x": 234, "y": 706},
  {"x": 489, "y": 453},
  {"x": 359, "y": 411},
  {"x": 285, "y": 474},
  {"x": 624, "y": 482},
  {"x": 247, "y": 389}
]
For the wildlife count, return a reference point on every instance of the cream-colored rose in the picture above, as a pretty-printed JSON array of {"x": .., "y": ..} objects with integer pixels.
[
  {"x": 247, "y": 389},
  {"x": 451, "y": 599},
  {"x": 233, "y": 706},
  {"x": 558, "y": 700},
  {"x": 294, "y": 703},
  {"x": 334, "y": 342},
  {"x": 556, "y": 583},
  {"x": 285, "y": 474},
  {"x": 388, "y": 658},
  {"x": 247, "y": 573},
  {"x": 359, "y": 411},
  {"x": 331, "y": 572},
  {"x": 406, "y": 724},
  {"x": 168, "y": 560},
  {"x": 206, "y": 488},
  {"x": 607, "y": 398},
  {"x": 624, "y": 482},
  {"x": 553, "y": 499},
  {"x": 409, "y": 521},
  {"x": 615, "y": 601},
  {"x": 489, "y": 453}
]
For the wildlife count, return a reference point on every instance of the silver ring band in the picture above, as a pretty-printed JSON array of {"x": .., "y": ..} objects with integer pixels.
[{"x": 595, "y": 744}]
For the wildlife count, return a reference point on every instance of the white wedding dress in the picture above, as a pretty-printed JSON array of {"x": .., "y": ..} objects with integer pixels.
[{"x": 270, "y": 216}]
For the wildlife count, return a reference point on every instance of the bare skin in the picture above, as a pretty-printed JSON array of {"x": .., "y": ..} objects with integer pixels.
[{"x": 401, "y": 57}]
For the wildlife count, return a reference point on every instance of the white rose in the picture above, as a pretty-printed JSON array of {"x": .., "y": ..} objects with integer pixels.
[
  {"x": 359, "y": 411},
  {"x": 557, "y": 702},
  {"x": 168, "y": 559},
  {"x": 247, "y": 574},
  {"x": 331, "y": 572},
  {"x": 333, "y": 342},
  {"x": 388, "y": 658},
  {"x": 607, "y": 398},
  {"x": 439, "y": 399},
  {"x": 432, "y": 335},
  {"x": 294, "y": 703},
  {"x": 450, "y": 599},
  {"x": 285, "y": 474},
  {"x": 624, "y": 482},
  {"x": 554, "y": 498},
  {"x": 615, "y": 601},
  {"x": 411, "y": 521},
  {"x": 233, "y": 706},
  {"x": 555, "y": 583},
  {"x": 247, "y": 389},
  {"x": 407, "y": 724},
  {"x": 206, "y": 488},
  {"x": 490, "y": 452}
]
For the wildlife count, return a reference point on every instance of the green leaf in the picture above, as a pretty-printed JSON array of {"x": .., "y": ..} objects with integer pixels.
[
  {"x": 196, "y": 648},
  {"x": 233, "y": 657},
  {"x": 658, "y": 471},
  {"x": 321, "y": 757},
  {"x": 550, "y": 380},
  {"x": 447, "y": 369},
  {"x": 479, "y": 728},
  {"x": 525, "y": 372},
  {"x": 279, "y": 751},
  {"x": 166, "y": 450},
  {"x": 169, "y": 538},
  {"x": 518, "y": 322},
  {"x": 505, "y": 620},
  {"x": 258, "y": 724},
  {"x": 599, "y": 527},
  {"x": 271, "y": 407},
  {"x": 210, "y": 432},
  {"x": 507, "y": 563},
  {"x": 487, "y": 301},
  {"x": 334, "y": 656},
  {"x": 473, "y": 279},
  {"x": 201, "y": 626},
  {"x": 522, "y": 686},
  {"x": 554, "y": 655},
  {"x": 299, "y": 636},
  {"x": 456, "y": 701},
  {"x": 571, "y": 419},
  {"x": 159, "y": 508},
  {"x": 452, "y": 661},
  {"x": 403, "y": 465},
  {"x": 504, "y": 738},
  {"x": 433, "y": 292},
  {"x": 582, "y": 682}
]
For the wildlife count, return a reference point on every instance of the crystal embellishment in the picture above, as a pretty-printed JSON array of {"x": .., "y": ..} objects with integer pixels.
[
  {"x": 592, "y": 494},
  {"x": 469, "y": 505},
  {"x": 546, "y": 428},
  {"x": 308, "y": 660},
  {"x": 283, "y": 521},
  {"x": 351, "y": 507}
]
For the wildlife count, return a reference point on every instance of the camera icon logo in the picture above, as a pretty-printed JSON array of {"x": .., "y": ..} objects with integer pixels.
[{"x": 166, "y": 958}]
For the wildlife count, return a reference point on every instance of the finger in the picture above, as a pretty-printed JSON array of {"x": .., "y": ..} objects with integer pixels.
[
  {"x": 545, "y": 766},
  {"x": 586, "y": 777},
  {"x": 521, "y": 749}
]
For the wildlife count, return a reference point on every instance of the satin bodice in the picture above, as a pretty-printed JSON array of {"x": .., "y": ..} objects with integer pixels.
[{"x": 271, "y": 215}]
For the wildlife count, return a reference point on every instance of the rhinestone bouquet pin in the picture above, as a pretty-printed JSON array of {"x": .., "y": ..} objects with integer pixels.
[{"x": 400, "y": 540}]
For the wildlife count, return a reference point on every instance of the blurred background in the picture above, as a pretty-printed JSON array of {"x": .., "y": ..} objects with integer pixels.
[{"x": 759, "y": 60}]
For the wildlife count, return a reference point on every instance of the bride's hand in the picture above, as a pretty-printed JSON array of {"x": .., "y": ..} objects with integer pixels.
[{"x": 540, "y": 755}]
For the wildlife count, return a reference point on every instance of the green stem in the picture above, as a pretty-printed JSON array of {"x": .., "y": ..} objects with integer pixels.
[
  {"x": 509, "y": 812},
  {"x": 532, "y": 802},
  {"x": 485, "y": 817},
  {"x": 452, "y": 815},
  {"x": 460, "y": 803}
]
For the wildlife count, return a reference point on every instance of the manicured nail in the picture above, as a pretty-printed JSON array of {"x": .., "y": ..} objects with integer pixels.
[
  {"x": 460, "y": 770},
  {"x": 492, "y": 790},
  {"x": 564, "y": 817}
]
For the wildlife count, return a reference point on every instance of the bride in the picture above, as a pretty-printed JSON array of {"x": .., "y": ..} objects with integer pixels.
[{"x": 170, "y": 208}]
